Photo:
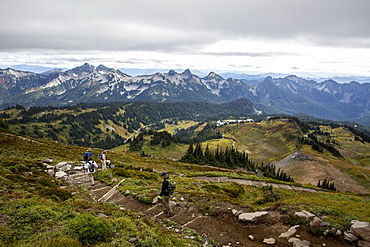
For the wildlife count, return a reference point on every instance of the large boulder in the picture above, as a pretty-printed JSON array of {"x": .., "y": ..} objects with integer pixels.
[{"x": 361, "y": 229}]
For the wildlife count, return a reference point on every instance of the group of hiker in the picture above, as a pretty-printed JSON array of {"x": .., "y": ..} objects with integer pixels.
[
  {"x": 91, "y": 165},
  {"x": 168, "y": 185}
]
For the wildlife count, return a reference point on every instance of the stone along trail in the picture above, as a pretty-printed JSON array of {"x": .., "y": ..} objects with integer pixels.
[{"x": 226, "y": 228}]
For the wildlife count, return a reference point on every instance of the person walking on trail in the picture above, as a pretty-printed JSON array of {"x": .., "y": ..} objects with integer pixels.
[
  {"x": 87, "y": 154},
  {"x": 165, "y": 194},
  {"x": 103, "y": 159},
  {"x": 91, "y": 167}
]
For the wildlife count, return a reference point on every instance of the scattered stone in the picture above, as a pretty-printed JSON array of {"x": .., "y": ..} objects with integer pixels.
[
  {"x": 204, "y": 241},
  {"x": 51, "y": 173},
  {"x": 60, "y": 174},
  {"x": 362, "y": 243},
  {"x": 154, "y": 201},
  {"x": 325, "y": 224},
  {"x": 269, "y": 241},
  {"x": 78, "y": 168},
  {"x": 304, "y": 214},
  {"x": 251, "y": 217},
  {"x": 133, "y": 240},
  {"x": 290, "y": 232},
  {"x": 236, "y": 212},
  {"x": 48, "y": 161},
  {"x": 333, "y": 231},
  {"x": 49, "y": 167},
  {"x": 316, "y": 222},
  {"x": 350, "y": 236},
  {"x": 361, "y": 229},
  {"x": 251, "y": 237},
  {"x": 101, "y": 215},
  {"x": 61, "y": 164},
  {"x": 299, "y": 243}
]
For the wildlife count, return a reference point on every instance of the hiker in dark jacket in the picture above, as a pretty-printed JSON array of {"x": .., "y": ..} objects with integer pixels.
[
  {"x": 87, "y": 154},
  {"x": 165, "y": 194}
]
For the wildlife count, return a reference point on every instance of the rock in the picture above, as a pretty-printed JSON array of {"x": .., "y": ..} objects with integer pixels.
[
  {"x": 315, "y": 222},
  {"x": 172, "y": 203},
  {"x": 362, "y": 243},
  {"x": 304, "y": 214},
  {"x": 269, "y": 241},
  {"x": 101, "y": 215},
  {"x": 51, "y": 173},
  {"x": 61, "y": 164},
  {"x": 154, "y": 201},
  {"x": 236, "y": 212},
  {"x": 78, "y": 168},
  {"x": 290, "y": 232},
  {"x": 182, "y": 204},
  {"x": 132, "y": 240},
  {"x": 49, "y": 167},
  {"x": 251, "y": 237},
  {"x": 361, "y": 229},
  {"x": 299, "y": 243},
  {"x": 350, "y": 236},
  {"x": 251, "y": 217},
  {"x": 204, "y": 241},
  {"x": 48, "y": 161},
  {"x": 333, "y": 231},
  {"x": 60, "y": 174},
  {"x": 325, "y": 224}
]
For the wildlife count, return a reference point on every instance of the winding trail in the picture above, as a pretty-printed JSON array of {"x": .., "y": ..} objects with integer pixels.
[{"x": 224, "y": 228}]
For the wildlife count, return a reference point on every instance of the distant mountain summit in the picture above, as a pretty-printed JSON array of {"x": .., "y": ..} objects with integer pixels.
[{"x": 87, "y": 83}]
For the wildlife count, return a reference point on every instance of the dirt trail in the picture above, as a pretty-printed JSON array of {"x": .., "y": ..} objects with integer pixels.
[{"x": 225, "y": 229}]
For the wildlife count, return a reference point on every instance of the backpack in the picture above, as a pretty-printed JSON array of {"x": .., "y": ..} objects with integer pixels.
[
  {"x": 91, "y": 167},
  {"x": 86, "y": 156},
  {"x": 101, "y": 156},
  {"x": 171, "y": 185}
]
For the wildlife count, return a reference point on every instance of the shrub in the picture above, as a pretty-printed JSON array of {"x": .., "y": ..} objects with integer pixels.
[
  {"x": 56, "y": 193},
  {"x": 90, "y": 229}
]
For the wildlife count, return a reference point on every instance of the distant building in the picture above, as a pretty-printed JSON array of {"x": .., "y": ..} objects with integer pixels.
[{"x": 229, "y": 121}]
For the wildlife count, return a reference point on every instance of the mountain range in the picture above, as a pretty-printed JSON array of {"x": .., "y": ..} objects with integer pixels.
[{"x": 87, "y": 83}]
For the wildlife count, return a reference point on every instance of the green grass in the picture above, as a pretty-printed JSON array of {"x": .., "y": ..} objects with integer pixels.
[{"x": 36, "y": 209}]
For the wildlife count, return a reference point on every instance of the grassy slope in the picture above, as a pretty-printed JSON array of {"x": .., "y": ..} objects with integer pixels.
[{"x": 22, "y": 197}]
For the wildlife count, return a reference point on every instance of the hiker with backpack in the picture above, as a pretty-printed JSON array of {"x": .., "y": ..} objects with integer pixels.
[
  {"x": 168, "y": 187},
  {"x": 91, "y": 167},
  {"x": 87, "y": 154},
  {"x": 103, "y": 159}
]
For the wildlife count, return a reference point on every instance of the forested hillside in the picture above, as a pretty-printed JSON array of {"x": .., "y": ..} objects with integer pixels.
[{"x": 107, "y": 125}]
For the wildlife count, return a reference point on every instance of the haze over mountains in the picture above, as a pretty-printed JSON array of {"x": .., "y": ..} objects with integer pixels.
[{"x": 87, "y": 83}]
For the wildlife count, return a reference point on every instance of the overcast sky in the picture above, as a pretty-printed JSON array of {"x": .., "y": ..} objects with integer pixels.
[{"x": 302, "y": 37}]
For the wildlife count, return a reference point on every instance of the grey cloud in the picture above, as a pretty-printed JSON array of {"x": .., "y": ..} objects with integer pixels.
[{"x": 172, "y": 26}]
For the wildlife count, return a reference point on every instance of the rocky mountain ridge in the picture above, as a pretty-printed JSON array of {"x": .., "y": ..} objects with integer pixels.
[{"x": 87, "y": 83}]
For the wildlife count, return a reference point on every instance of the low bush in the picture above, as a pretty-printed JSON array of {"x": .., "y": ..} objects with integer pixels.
[{"x": 89, "y": 229}]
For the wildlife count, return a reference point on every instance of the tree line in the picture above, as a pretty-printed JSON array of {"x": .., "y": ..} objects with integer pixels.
[{"x": 231, "y": 158}]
